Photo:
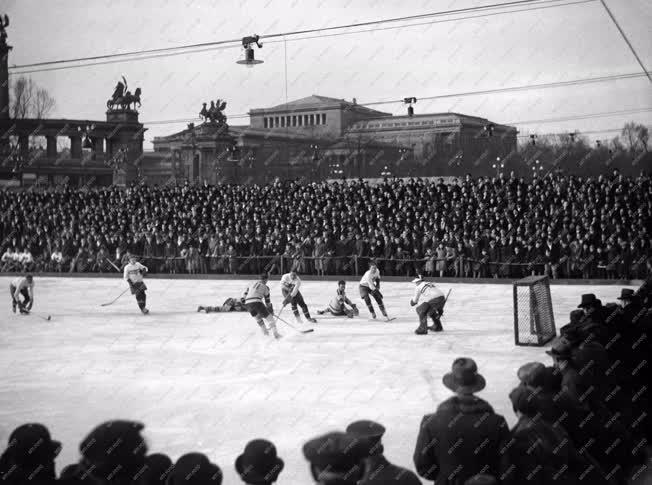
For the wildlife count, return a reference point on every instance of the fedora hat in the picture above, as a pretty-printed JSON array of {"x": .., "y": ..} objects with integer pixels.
[
  {"x": 31, "y": 444},
  {"x": 626, "y": 294},
  {"x": 561, "y": 347},
  {"x": 588, "y": 300},
  {"x": 259, "y": 462},
  {"x": 464, "y": 377}
]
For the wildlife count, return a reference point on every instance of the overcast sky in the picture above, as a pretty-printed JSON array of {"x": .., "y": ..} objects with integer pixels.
[{"x": 447, "y": 57}]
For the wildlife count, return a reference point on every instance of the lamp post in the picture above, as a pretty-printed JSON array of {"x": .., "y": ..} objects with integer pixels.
[{"x": 499, "y": 166}]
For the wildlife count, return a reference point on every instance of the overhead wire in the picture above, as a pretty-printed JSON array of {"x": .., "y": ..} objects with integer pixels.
[{"x": 201, "y": 47}]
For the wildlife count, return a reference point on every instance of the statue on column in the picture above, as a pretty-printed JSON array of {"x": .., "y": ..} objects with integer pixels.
[
  {"x": 4, "y": 23},
  {"x": 122, "y": 97}
]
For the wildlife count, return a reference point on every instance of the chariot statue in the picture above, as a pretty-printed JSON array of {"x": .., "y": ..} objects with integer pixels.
[
  {"x": 214, "y": 114},
  {"x": 122, "y": 98}
]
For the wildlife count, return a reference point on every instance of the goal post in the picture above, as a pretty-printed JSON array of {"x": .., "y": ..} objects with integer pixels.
[{"x": 534, "y": 322}]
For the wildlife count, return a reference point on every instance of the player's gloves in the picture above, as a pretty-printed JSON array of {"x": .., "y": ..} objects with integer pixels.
[
  {"x": 287, "y": 300},
  {"x": 412, "y": 303},
  {"x": 270, "y": 309},
  {"x": 441, "y": 312}
]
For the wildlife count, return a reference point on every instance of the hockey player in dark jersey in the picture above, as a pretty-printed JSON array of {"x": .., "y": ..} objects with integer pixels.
[
  {"x": 230, "y": 305},
  {"x": 338, "y": 304}
]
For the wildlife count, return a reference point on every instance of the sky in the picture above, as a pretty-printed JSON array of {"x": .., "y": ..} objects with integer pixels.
[{"x": 445, "y": 55}]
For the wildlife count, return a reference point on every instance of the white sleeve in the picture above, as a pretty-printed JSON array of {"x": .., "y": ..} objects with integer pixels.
[
  {"x": 417, "y": 294},
  {"x": 297, "y": 284},
  {"x": 125, "y": 277}
]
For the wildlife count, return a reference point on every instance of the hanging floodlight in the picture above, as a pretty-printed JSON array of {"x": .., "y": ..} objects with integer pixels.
[
  {"x": 250, "y": 60},
  {"x": 409, "y": 101}
]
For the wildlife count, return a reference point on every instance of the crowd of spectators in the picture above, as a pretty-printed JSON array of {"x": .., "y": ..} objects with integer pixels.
[
  {"x": 583, "y": 419},
  {"x": 563, "y": 226}
]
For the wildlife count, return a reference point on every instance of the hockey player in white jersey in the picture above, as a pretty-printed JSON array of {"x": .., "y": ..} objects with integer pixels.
[
  {"x": 430, "y": 301},
  {"x": 259, "y": 305},
  {"x": 290, "y": 284},
  {"x": 133, "y": 274},
  {"x": 370, "y": 285}
]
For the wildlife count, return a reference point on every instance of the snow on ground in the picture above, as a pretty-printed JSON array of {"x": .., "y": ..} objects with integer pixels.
[{"x": 210, "y": 383}]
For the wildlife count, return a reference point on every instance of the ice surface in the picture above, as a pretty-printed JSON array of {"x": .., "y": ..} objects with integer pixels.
[{"x": 210, "y": 383}]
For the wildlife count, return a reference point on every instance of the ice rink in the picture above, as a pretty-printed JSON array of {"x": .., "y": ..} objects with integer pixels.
[{"x": 210, "y": 383}]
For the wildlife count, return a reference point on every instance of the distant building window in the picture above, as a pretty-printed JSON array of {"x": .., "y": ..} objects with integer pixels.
[
  {"x": 276, "y": 122},
  {"x": 323, "y": 118},
  {"x": 282, "y": 121},
  {"x": 317, "y": 119},
  {"x": 265, "y": 122},
  {"x": 287, "y": 120},
  {"x": 305, "y": 120},
  {"x": 312, "y": 120},
  {"x": 294, "y": 120},
  {"x": 300, "y": 120}
]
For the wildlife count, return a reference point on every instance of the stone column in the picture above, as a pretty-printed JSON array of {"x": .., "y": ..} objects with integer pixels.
[
  {"x": 4, "y": 80},
  {"x": 51, "y": 146},
  {"x": 75, "y": 146}
]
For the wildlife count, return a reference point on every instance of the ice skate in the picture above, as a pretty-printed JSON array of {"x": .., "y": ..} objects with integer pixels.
[
  {"x": 13, "y": 306},
  {"x": 145, "y": 311},
  {"x": 421, "y": 330},
  {"x": 276, "y": 334},
  {"x": 312, "y": 320},
  {"x": 263, "y": 328},
  {"x": 320, "y": 312},
  {"x": 200, "y": 308}
]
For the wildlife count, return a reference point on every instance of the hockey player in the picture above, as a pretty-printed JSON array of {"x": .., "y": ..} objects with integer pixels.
[
  {"x": 254, "y": 295},
  {"x": 133, "y": 274},
  {"x": 338, "y": 305},
  {"x": 290, "y": 284},
  {"x": 230, "y": 305},
  {"x": 370, "y": 285},
  {"x": 22, "y": 286},
  {"x": 431, "y": 304}
]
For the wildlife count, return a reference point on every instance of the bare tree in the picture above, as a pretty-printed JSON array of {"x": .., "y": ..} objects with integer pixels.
[
  {"x": 636, "y": 137},
  {"x": 29, "y": 100},
  {"x": 43, "y": 103}
]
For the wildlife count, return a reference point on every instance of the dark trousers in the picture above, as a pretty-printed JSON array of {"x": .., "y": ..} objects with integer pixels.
[
  {"x": 297, "y": 300},
  {"x": 23, "y": 292},
  {"x": 431, "y": 308}
]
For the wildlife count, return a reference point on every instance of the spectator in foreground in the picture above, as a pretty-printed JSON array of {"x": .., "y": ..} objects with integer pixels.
[
  {"x": 113, "y": 453},
  {"x": 158, "y": 467},
  {"x": 462, "y": 438},
  {"x": 195, "y": 469},
  {"x": 335, "y": 459},
  {"x": 259, "y": 463},
  {"x": 378, "y": 470},
  {"x": 538, "y": 453},
  {"x": 29, "y": 457}
]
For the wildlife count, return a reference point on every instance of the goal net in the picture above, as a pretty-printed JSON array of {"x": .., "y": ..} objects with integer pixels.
[{"x": 534, "y": 323}]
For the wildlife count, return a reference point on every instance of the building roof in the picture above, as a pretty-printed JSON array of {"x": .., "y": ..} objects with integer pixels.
[{"x": 316, "y": 101}]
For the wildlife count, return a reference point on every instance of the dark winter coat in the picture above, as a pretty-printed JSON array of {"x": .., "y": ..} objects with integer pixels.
[
  {"x": 379, "y": 471},
  {"x": 460, "y": 440},
  {"x": 538, "y": 454}
]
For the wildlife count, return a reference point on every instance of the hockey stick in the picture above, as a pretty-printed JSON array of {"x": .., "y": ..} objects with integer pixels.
[
  {"x": 116, "y": 299},
  {"x": 292, "y": 326},
  {"x": 116, "y": 268},
  {"x": 48, "y": 318}
]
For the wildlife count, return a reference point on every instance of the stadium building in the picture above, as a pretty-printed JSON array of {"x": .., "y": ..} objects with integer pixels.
[{"x": 318, "y": 137}]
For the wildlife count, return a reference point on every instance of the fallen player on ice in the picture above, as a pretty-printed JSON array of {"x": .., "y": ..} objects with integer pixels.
[
  {"x": 229, "y": 305},
  {"x": 338, "y": 305}
]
